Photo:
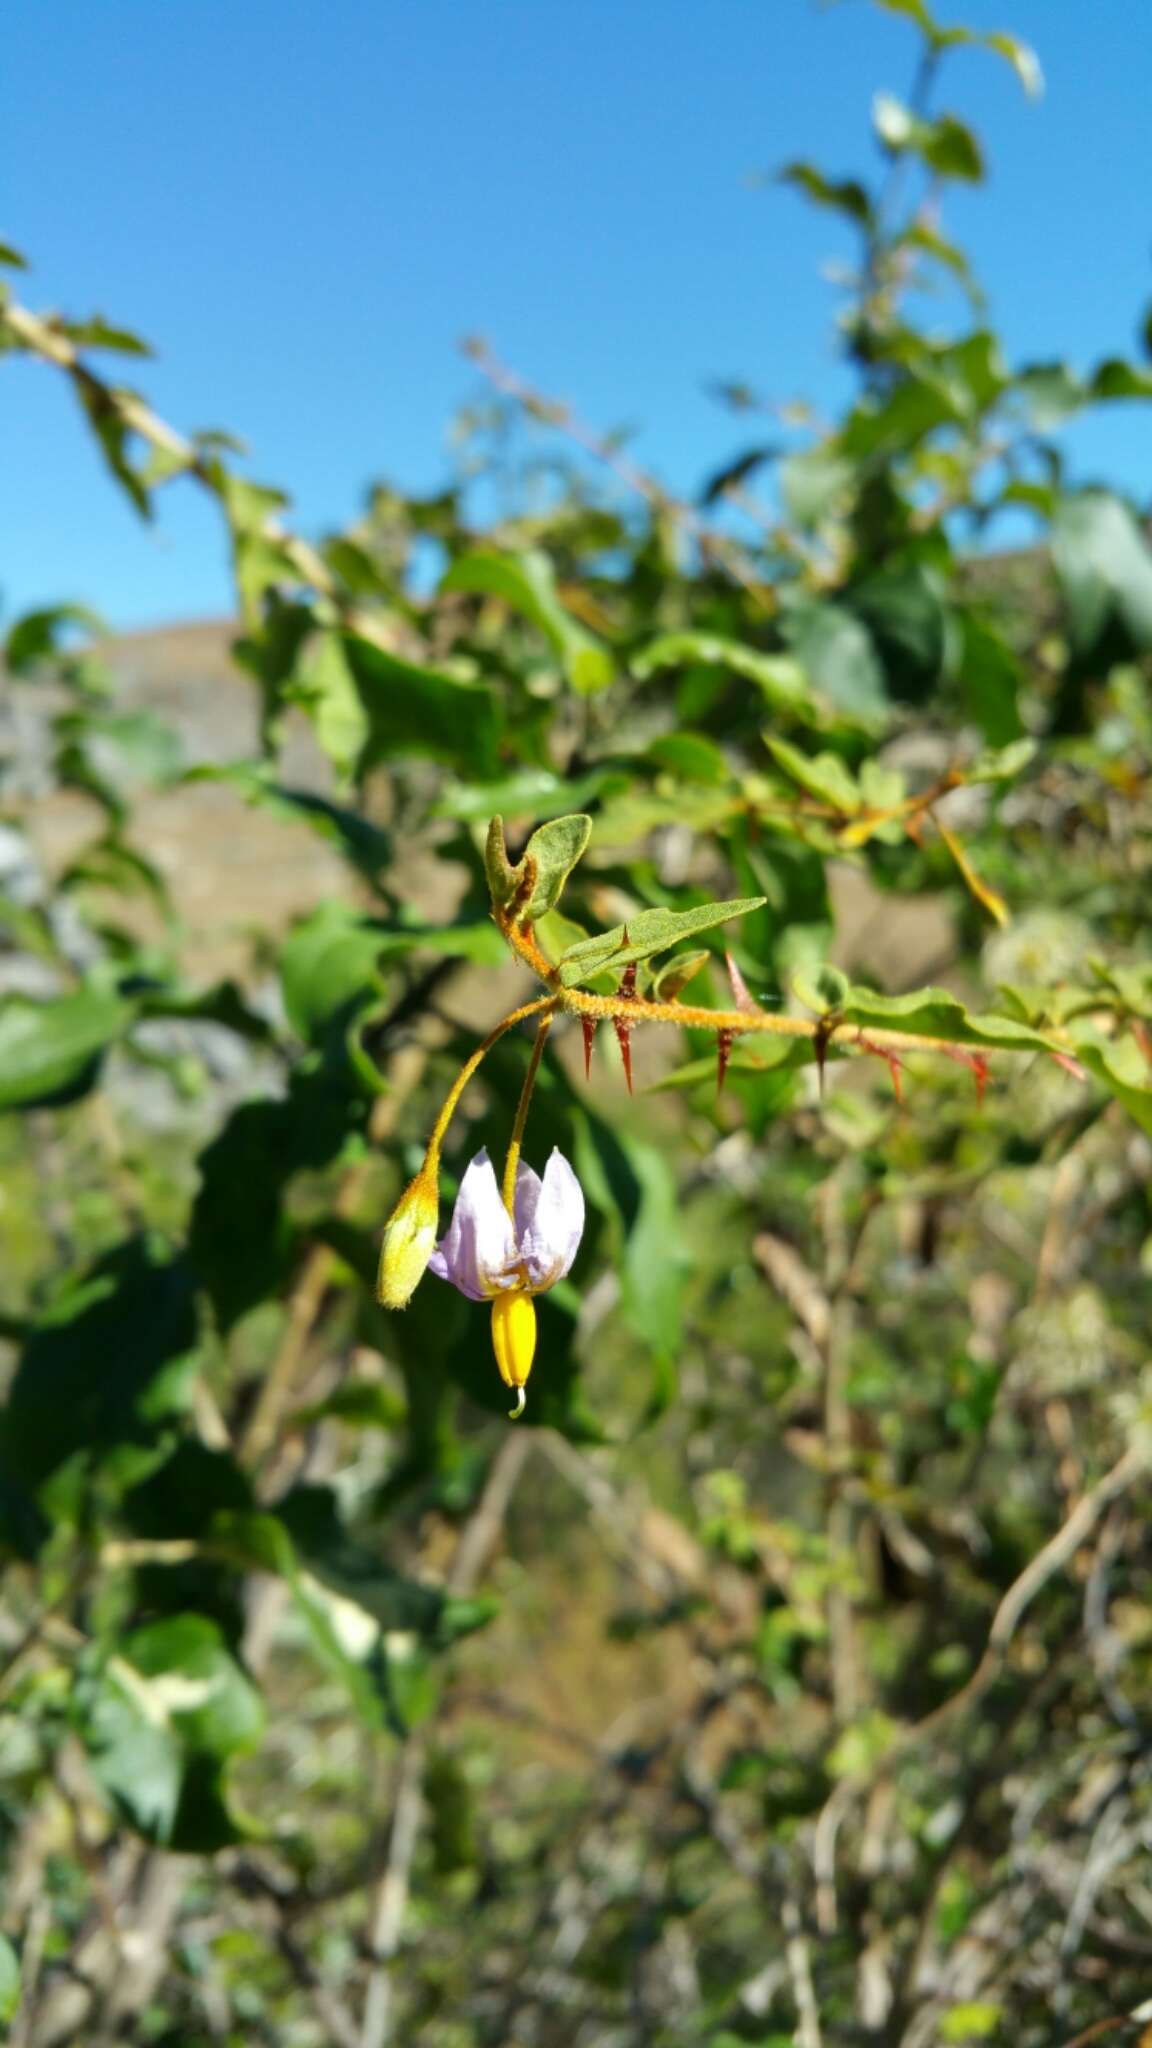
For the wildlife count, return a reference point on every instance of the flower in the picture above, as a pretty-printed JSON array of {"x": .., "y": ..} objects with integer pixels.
[
  {"x": 409, "y": 1238},
  {"x": 492, "y": 1256}
]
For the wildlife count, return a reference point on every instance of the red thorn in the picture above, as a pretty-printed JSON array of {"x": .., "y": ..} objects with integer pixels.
[
  {"x": 627, "y": 987},
  {"x": 588, "y": 1027},
  {"x": 624, "y": 1036},
  {"x": 723, "y": 1052},
  {"x": 977, "y": 1064},
  {"x": 739, "y": 985},
  {"x": 894, "y": 1064}
]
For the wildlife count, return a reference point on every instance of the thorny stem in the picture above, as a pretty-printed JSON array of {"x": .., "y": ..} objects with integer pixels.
[{"x": 515, "y": 1142}]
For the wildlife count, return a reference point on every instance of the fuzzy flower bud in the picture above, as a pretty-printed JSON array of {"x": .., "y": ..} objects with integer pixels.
[{"x": 409, "y": 1239}]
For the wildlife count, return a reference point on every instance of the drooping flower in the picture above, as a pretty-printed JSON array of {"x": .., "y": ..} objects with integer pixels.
[
  {"x": 409, "y": 1239},
  {"x": 492, "y": 1256}
]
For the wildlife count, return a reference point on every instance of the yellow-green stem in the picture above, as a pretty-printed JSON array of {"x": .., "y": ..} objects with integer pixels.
[
  {"x": 470, "y": 1066},
  {"x": 517, "y": 1139}
]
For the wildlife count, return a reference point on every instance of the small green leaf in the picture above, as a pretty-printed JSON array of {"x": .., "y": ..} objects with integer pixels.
[
  {"x": 161, "y": 1724},
  {"x": 502, "y": 876},
  {"x": 1051, "y": 393},
  {"x": 106, "y": 1365},
  {"x": 677, "y": 973},
  {"x": 838, "y": 655},
  {"x": 650, "y": 931},
  {"x": 990, "y": 678},
  {"x": 823, "y": 991},
  {"x": 1001, "y": 764},
  {"x": 845, "y": 195},
  {"x": 934, "y": 1013},
  {"x": 329, "y": 966},
  {"x": 813, "y": 484},
  {"x": 1125, "y": 1072},
  {"x": 414, "y": 710},
  {"x": 1118, "y": 379},
  {"x": 1021, "y": 56},
  {"x": 824, "y": 776},
  {"x": 946, "y": 145},
  {"x": 781, "y": 679},
  {"x": 554, "y": 849},
  {"x": 47, "y": 1049},
  {"x": 98, "y": 333},
  {"x": 36, "y": 637},
  {"x": 326, "y": 687},
  {"x": 527, "y": 583},
  {"x": 1105, "y": 569}
]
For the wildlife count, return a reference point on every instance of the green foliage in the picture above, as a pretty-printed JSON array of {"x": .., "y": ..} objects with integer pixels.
[{"x": 790, "y": 1670}]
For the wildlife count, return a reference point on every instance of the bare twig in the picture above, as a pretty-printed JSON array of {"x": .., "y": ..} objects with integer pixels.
[{"x": 389, "y": 1901}]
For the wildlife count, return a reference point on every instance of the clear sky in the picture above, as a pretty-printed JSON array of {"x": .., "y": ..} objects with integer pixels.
[{"x": 303, "y": 207}]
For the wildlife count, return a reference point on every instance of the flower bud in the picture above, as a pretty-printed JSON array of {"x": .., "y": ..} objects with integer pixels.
[{"x": 409, "y": 1239}]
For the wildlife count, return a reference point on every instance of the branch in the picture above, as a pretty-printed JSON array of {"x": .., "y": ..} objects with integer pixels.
[{"x": 389, "y": 1902}]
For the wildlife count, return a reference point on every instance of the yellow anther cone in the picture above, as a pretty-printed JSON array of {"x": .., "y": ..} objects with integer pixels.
[{"x": 514, "y": 1338}]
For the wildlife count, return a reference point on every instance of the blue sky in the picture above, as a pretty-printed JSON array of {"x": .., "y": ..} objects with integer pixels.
[{"x": 304, "y": 208}]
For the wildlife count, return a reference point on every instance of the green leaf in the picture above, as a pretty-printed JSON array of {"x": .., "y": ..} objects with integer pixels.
[
  {"x": 12, "y": 257},
  {"x": 914, "y": 10},
  {"x": 36, "y": 636},
  {"x": 823, "y": 776},
  {"x": 903, "y": 611},
  {"x": 165, "y": 1718},
  {"x": 526, "y": 795},
  {"x": 1118, "y": 379},
  {"x": 946, "y": 145},
  {"x": 934, "y": 1013},
  {"x": 329, "y": 966},
  {"x": 324, "y": 684},
  {"x": 98, "y": 333},
  {"x": 1001, "y": 764},
  {"x": 527, "y": 583},
  {"x": 650, "y": 931},
  {"x": 813, "y": 484},
  {"x": 1051, "y": 393},
  {"x": 1105, "y": 569},
  {"x": 125, "y": 750},
  {"x": 242, "y": 1239},
  {"x": 53, "y": 1049},
  {"x": 691, "y": 757},
  {"x": 655, "y": 1260},
  {"x": 555, "y": 849},
  {"x": 990, "y": 679},
  {"x": 1125, "y": 1072},
  {"x": 1021, "y": 56},
  {"x": 107, "y": 1365},
  {"x": 781, "y": 679},
  {"x": 414, "y": 710},
  {"x": 106, "y": 417},
  {"x": 839, "y": 657},
  {"x": 677, "y": 973},
  {"x": 844, "y": 195}
]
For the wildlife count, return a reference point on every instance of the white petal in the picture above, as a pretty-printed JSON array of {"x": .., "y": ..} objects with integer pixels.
[
  {"x": 551, "y": 1243},
  {"x": 479, "y": 1247}
]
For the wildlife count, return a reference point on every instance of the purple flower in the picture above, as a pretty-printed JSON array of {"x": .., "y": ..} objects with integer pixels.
[{"x": 487, "y": 1253}]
